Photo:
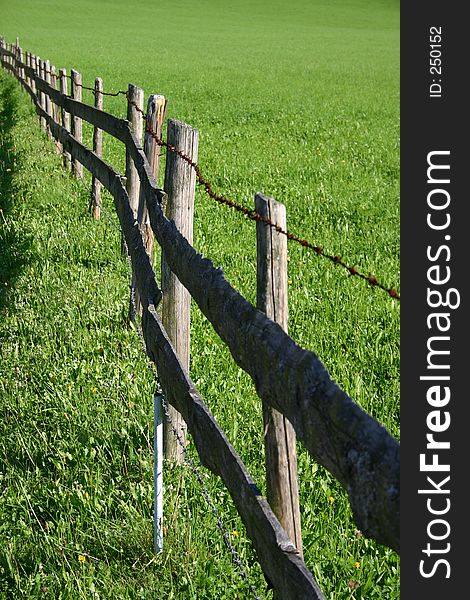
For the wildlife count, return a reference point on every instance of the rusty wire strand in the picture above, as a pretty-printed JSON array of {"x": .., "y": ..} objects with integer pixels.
[
  {"x": 255, "y": 216},
  {"x": 248, "y": 212}
]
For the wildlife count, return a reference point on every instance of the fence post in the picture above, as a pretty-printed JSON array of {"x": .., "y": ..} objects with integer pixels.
[
  {"x": 180, "y": 185},
  {"x": 95, "y": 201},
  {"x": 28, "y": 64},
  {"x": 47, "y": 99},
  {"x": 279, "y": 435},
  {"x": 55, "y": 107},
  {"x": 77, "y": 166},
  {"x": 41, "y": 97},
  {"x": 20, "y": 66},
  {"x": 32, "y": 64},
  {"x": 135, "y": 111},
  {"x": 156, "y": 107},
  {"x": 65, "y": 115},
  {"x": 15, "y": 59}
]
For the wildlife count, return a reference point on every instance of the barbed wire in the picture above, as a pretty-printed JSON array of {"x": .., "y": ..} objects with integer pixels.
[
  {"x": 255, "y": 216},
  {"x": 248, "y": 212},
  {"x": 159, "y": 391}
]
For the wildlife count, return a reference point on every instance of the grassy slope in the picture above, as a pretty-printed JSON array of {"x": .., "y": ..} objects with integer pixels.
[{"x": 289, "y": 101}]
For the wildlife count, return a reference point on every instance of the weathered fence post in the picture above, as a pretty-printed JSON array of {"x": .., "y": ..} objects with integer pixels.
[
  {"x": 32, "y": 63},
  {"x": 48, "y": 102},
  {"x": 55, "y": 108},
  {"x": 279, "y": 435},
  {"x": 95, "y": 201},
  {"x": 65, "y": 114},
  {"x": 180, "y": 185},
  {"x": 41, "y": 96},
  {"x": 135, "y": 109},
  {"x": 28, "y": 64},
  {"x": 156, "y": 107},
  {"x": 77, "y": 167},
  {"x": 158, "y": 472},
  {"x": 20, "y": 66},
  {"x": 15, "y": 58}
]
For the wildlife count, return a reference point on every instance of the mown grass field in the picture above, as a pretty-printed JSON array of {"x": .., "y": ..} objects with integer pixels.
[{"x": 298, "y": 100}]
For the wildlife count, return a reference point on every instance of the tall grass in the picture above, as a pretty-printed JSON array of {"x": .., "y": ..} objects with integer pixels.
[{"x": 299, "y": 101}]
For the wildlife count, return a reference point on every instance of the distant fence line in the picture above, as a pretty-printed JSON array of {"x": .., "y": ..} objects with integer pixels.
[{"x": 350, "y": 443}]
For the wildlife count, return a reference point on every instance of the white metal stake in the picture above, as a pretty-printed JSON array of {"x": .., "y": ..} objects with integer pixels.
[{"x": 158, "y": 473}]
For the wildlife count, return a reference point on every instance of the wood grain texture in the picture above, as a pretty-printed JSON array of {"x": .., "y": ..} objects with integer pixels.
[
  {"x": 64, "y": 114},
  {"x": 282, "y": 488},
  {"x": 155, "y": 115},
  {"x": 341, "y": 436},
  {"x": 42, "y": 95},
  {"x": 136, "y": 95},
  {"x": 55, "y": 108},
  {"x": 95, "y": 203},
  {"x": 154, "y": 120},
  {"x": 76, "y": 80},
  {"x": 277, "y": 555}
]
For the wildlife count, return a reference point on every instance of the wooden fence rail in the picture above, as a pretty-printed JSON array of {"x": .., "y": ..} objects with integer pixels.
[{"x": 350, "y": 443}]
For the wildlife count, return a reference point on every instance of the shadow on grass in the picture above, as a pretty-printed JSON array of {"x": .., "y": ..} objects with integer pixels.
[{"x": 14, "y": 244}]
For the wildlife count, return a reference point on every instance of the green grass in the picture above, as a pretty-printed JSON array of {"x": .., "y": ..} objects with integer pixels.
[{"x": 299, "y": 101}]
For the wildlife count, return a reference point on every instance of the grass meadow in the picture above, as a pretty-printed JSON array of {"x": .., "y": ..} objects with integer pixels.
[{"x": 297, "y": 100}]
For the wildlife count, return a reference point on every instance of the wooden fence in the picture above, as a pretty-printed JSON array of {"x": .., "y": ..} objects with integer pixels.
[{"x": 292, "y": 382}]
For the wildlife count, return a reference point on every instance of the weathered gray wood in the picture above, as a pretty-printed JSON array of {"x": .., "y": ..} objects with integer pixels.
[
  {"x": 135, "y": 118},
  {"x": 180, "y": 185},
  {"x": 48, "y": 103},
  {"x": 276, "y": 553},
  {"x": 282, "y": 488},
  {"x": 41, "y": 94},
  {"x": 32, "y": 73},
  {"x": 350, "y": 443},
  {"x": 76, "y": 79},
  {"x": 279, "y": 559},
  {"x": 6, "y": 62},
  {"x": 98, "y": 150},
  {"x": 15, "y": 58},
  {"x": 55, "y": 108},
  {"x": 28, "y": 64},
  {"x": 135, "y": 107},
  {"x": 155, "y": 115},
  {"x": 21, "y": 73},
  {"x": 64, "y": 114},
  {"x": 153, "y": 122}
]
